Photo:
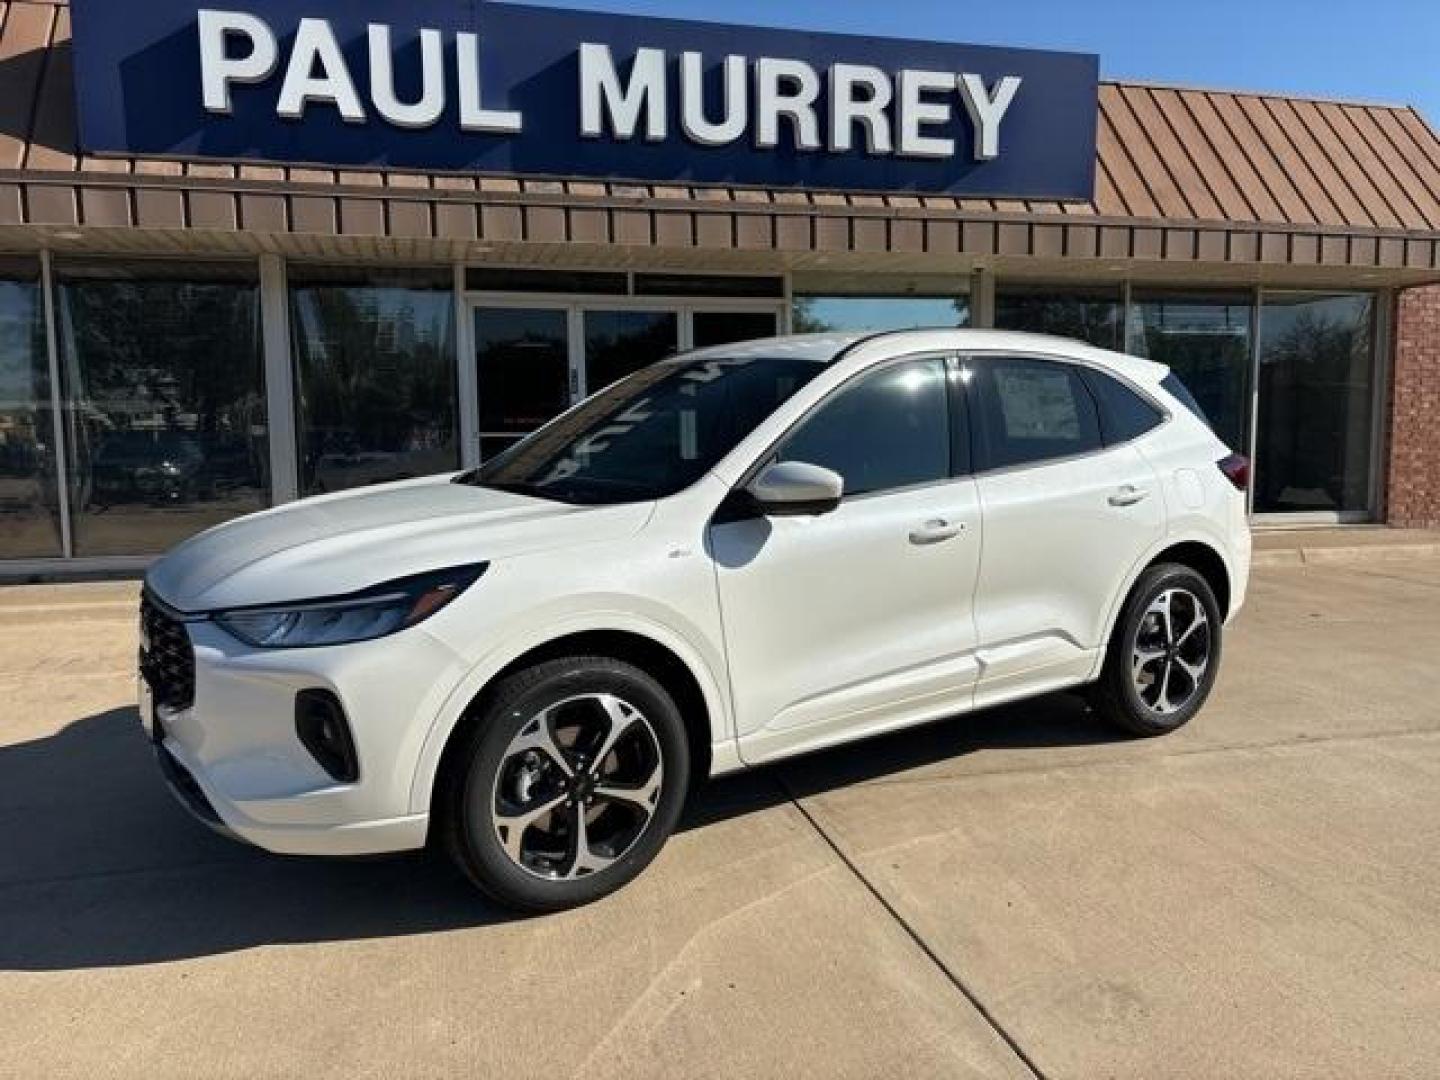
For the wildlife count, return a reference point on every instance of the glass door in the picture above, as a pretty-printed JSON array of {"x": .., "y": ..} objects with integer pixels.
[
  {"x": 722, "y": 326},
  {"x": 522, "y": 371},
  {"x": 619, "y": 341},
  {"x": 534, "y": 360}
]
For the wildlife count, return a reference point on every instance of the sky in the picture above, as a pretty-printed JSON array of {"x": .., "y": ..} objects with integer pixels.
[{"x": 1364, "y": 50}]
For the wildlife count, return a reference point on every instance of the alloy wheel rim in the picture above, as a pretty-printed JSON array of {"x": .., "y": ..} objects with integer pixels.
[
  {"x": 577, "y": 787},
  {"x": 1171, "y": 652}
]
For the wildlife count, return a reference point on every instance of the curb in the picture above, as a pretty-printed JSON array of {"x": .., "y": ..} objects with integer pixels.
[{"x": 1340, "y": 556}]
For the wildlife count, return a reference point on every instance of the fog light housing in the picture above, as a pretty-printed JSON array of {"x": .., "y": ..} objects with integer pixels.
[{"x": 323, "y": 729}]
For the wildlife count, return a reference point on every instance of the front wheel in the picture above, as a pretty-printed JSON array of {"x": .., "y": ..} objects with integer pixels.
[
  {"x": 1164, "y": 654},
  {"x": 568, "y": 785}
]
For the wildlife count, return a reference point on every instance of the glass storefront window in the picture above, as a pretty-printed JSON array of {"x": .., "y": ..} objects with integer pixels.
[
  {"x": 1094, "y": 316},
  {"x": 1317, "y": 379},
  {"x": 723, "y": 327},
  {"x": 375, "y": 363},
  {"x": 1205, "y": 339},
  {"x": 821, "y": 314},
  {"x": 164, "y": 400},
  {"x": 29, "y": 511},
  {"x": 619, "y": 342}
]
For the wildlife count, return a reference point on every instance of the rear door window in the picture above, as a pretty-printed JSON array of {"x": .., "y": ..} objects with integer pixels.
[{"x": 1030, "y": 411}]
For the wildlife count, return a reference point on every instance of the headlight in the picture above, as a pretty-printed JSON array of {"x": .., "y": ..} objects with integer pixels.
[{"x": 360, "y": 616}]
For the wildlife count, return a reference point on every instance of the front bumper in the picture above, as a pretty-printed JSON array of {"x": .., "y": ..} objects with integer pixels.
[{"x": 234, "y": 760}]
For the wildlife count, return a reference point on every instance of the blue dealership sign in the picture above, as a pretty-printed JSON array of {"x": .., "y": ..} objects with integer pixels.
[{"x": 505, "y": 88}]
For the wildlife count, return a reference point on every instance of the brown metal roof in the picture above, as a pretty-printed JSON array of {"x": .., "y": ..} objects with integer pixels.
[{"x": 1182, "y": 173}]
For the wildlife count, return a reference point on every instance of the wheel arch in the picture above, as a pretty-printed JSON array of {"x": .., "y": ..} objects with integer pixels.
[
  {"x": 680, "y": 671},
  {"x": 1198, "y": 553}
]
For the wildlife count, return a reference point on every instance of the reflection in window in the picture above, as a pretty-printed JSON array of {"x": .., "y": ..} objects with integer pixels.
[
  {"x": 164, "y": 401},
  {"x": 724, "y": 327},
  {"x": 825, "y": 314},
  {"x": 1316, "y": 395},
  {"x": 1031, "y": 411},
  {"x": 29, "y": 515},
  {"x": 884, "y": 431},
  {"x": 1205, "y": 339},
  {"x": 375, "y": 358},
  {"x": 1089, "y": 315},
  {"x": 522, "y": 370},
  {"x": 619, "y": 342}
]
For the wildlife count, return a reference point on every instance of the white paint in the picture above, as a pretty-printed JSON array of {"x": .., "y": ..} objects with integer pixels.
[
  {"x": 315, "y": 46},
  {"x": 603, "y": 95},
  {"x": 1037, "y": 560},
  {"x": 986, "y": 111},
  {"x": 218, "y": 70},
  {"x": 427, "y": 110}
]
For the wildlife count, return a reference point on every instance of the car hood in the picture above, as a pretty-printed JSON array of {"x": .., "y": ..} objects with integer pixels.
[{"x": 337, "y": 544}]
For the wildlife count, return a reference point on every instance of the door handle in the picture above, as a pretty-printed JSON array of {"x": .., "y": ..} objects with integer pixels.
[
  {"x": 1129, "y": 495},
  {"x": 935, "y": 531}
]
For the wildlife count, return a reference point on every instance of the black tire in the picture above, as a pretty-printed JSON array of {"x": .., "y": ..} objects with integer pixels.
[
  {"x": 1117, "y": 697},
  {"x": 470, "y": 792}
]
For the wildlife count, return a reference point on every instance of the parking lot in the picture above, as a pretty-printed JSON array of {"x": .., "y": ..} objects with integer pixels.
[{"x": 1010, "y": 894}]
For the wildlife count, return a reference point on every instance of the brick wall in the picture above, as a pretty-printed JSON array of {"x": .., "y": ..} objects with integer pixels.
[{"x": 1413, "y": 470}]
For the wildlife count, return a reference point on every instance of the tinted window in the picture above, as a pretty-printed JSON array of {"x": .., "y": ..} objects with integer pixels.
[
  {"x": 1172, "y": 385},
  {"x": 1032, "y": 410},
  {"x": 886, "y": 430},
  {"x": 650, "y": 434},
  {"x": 1124, "y": 414},
  {"x": 165, "y": 400},
  {"x": 375, "y": 357}
]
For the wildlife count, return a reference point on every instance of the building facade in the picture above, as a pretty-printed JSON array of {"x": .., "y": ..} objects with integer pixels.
[{"x": 188, "y": 334}]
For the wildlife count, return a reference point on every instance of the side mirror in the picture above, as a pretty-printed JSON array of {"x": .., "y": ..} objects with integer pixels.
[{"x": 792, "y": 488}]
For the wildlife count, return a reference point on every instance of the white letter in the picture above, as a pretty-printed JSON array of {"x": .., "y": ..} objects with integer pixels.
[
  {"x": 600, "y": 91},
  {"x": 218, "y": 71},
  {"x": 868, "y": 112},
  {"x": 473, "y": 116},
  {"x": 692, "y": 101},
  {"x": 987, "y": 112},
  {"x": 314, "y": 40},
  {"x": 798, "y": 104},
  {"x": 916, "y": 113},
  {"x": 431, "y": 105}
]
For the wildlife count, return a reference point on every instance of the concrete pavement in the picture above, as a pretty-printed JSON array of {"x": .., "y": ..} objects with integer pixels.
[{"x": 1005, "y": 895}]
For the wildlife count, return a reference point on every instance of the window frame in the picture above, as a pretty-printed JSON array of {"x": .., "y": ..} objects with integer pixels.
[
  {"x": 981, "y": 465},
  {"x": 962, "y": 439}
]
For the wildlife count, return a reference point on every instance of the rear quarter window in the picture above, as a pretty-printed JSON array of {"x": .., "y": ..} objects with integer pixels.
[
  {"x": 1172, "y": 385},
  {"x": 1125, "y": 414}
]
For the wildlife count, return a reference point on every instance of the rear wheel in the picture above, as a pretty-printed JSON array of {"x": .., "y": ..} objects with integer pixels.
[
  {"x": 1164, "y": 655},
  {"x": 568, "y": 785}
]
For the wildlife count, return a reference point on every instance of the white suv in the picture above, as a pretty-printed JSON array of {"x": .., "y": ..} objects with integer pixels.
[{"x": 730, "y": 557}]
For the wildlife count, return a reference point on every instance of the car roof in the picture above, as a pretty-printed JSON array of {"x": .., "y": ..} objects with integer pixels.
[{"x": 868, "y": 347}]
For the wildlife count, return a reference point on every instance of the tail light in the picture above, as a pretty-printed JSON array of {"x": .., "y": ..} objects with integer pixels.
[{"x": 1236, "y": 468}]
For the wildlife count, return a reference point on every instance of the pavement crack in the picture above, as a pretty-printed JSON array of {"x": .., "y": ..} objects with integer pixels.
[{"x": 950, "y": 975}]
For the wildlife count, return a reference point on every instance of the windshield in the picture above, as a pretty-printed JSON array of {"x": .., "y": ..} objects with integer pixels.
[{"x": 649, "y": 435}]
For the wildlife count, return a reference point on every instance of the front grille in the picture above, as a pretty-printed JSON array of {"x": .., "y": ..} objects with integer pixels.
[{"x": 167, "y": 660}]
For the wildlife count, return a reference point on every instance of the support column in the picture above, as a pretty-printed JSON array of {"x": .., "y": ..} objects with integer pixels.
[
  {"x": 982, "y": 298},
  {"x": 57, "y": 403},
  {"x": 466, "y": 377},
  {"x": 279, "y": 380},
  {"x": 1412, "y": 468}
]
